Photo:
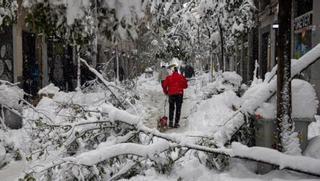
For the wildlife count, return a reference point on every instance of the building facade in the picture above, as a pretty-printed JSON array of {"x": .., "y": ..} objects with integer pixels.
[{"x": 305, "y": 34}]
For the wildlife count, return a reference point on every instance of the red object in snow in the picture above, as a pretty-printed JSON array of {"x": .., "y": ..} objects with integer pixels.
[
  {"x": 163, "y": 121},
  {"x": 258, "y": 116},
  {"x": 174, "y": 84}
]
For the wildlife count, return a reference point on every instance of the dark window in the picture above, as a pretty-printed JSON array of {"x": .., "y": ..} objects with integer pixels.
[
  {"x": 302, "y": 6},
  {"x": 264, "y": 53}
]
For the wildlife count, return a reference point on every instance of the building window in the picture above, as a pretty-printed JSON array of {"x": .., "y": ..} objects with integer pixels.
[
  {"x": 301, "y": 7},
  {"x": 302, "y": 43}
]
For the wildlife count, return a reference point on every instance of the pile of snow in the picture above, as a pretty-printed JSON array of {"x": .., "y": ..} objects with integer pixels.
[
  {"x": 50, "y": 89},
  {"x": 304, "y": 99},
  {"x": 233, "y": 78},
  {"x": 313, "y": 148},
  {"x": 303, "y": 96},
  {"x": 11, "y": 96},
  {"x": 213, "y": 112}
]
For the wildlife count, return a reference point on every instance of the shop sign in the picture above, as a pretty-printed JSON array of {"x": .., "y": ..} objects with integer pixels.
[{"x": 303, "y": 21}]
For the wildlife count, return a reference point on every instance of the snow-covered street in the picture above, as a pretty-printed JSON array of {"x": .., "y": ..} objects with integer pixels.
[
  {"x": 177, "y": 90},
  {"x": 206, "y": 107}
]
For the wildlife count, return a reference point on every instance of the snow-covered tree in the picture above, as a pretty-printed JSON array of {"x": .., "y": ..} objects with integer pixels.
[
  {"x": 211, "y": 24},
  {"x": 288, "y": 140}
]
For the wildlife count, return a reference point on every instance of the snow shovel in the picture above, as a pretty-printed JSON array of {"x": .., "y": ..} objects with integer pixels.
[{"x": 163, "y": 121}]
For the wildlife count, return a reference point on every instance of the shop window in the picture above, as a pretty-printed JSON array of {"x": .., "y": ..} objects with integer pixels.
[{"x": 302, "y": 42}]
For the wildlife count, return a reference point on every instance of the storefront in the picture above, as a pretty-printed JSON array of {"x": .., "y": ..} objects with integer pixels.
[{"x": 302, "y": 34}]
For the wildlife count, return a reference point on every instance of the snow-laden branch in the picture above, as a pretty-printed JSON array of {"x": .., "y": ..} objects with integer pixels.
[
  {"x": 305, "y": 164},
  {"x": 255, "y": 96},
  {"x": 114, "y": 148},
  {"x": 300, "y": 164},
  {"x": 105, "y": 83},
  {"x": 105, "y": 151}
]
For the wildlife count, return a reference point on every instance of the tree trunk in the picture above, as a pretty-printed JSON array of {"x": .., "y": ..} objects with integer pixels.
[
  {"x": 221, "y": 46},
  {"x": 117, "y": 66},
  {"x": 287, "y": 141},
  {"x": 78, "y": 69}
]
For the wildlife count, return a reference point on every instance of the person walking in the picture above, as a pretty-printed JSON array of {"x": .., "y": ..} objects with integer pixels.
[
  {"x": 173, "y": 86},
  {"x": 189, "y": 71},
  {"x": 163, "y": 74}
]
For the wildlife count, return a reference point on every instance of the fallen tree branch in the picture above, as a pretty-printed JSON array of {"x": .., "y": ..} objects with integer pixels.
[
  {"x": 100, "y": 77},
  {"x": 256, "y": 98},
  {"x": 283, "y": 161},
  {"x": 107, "y": 151}
]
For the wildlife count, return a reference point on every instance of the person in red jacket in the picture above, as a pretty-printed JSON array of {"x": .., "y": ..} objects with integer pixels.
[{"x": 173, "y": 86}]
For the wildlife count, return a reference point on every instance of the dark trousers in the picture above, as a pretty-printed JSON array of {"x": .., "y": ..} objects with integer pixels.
[{"x": 175, "y": 103}]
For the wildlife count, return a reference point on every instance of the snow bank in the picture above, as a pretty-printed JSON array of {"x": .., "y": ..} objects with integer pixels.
[
  {"x": 49, "y": 89},
  {"x": 304, "y": 99},
  {"x": 304, "y": 102},
  {"x": 313, "y": 148},
  {"x": 11, "y": 96},
  {"x": 256, "y": 95},
  {"x": 213, "y": 112},
  {"x": 233, "y": 78}
]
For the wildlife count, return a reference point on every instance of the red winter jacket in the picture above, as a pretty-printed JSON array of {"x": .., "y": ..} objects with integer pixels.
[{"x": 174, "y": 84}]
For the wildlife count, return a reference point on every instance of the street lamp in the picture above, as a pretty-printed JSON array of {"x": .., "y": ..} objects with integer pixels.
[{"x": 275, "y": 25}]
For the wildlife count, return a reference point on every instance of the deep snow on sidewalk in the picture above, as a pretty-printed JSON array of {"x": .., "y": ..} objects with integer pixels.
[
  {"x": 204, "y": 111},
  {"x": 206, "y": 106}
]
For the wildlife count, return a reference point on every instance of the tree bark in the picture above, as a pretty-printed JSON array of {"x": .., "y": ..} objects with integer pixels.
[
  {"x": 222, "y": 46},
  {"x": 78, "y": 88},
  {"x": 284, "y": 122}
]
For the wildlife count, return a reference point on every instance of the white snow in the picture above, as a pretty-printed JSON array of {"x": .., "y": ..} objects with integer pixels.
[
  {"x": 213, "y": 112},
  {"x": 10, "y": 96},
  {"x": 233, "y": 78},
  {"x": 313, "y": 148},
  {"x": 126, "y": 8},
  {"x": 105, "y": 151},
  {"x": 303, "y": 95},
  {"x": 314, "y": 128},
  {"x": 49, "y": 89},
  {"x": 273, "y": 156},
  {"x": 209, "y": 109}
]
